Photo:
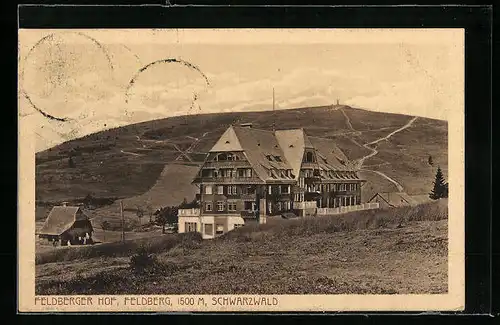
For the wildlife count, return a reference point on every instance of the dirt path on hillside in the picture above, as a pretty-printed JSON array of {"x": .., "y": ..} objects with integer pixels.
[
  {"x": 191, "y": 147},
  {"x": 399, "y": 186},
  {"x": 407, "y": 125},
  {"x": 372, "y": 146},
  {"x": 131, "y": 153}
]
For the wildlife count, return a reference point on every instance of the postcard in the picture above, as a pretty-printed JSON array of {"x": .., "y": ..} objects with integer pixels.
[{"x": 240, "y": 170}]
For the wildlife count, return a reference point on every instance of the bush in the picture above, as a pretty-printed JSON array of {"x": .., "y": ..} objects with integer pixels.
[{"x": 142, "y": 262}]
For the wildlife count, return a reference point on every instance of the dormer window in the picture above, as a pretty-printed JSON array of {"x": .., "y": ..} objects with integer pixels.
[
  {"x": 269, "y": 157},
  {"x": 225, "y": 156},
  {"x": 309, "y": 157},
  {"x": 277, "y": 158}
]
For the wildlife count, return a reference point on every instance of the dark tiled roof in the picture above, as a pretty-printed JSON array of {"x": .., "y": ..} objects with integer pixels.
[
  {"x": 270, "y": 152},
  {"x": 258, "y": 144}
]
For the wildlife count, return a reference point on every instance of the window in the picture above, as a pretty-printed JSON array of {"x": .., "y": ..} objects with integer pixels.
[
  {"x": 285, "y": 189},
  {"x": 232, "y": 190},
  {"x": 190, "y": 226},
  {"x": 209, "y": 229},
  {"x": 277, "y": 158},
  {"x": 244, "y": 172},
  {"x": 207, "y": 172},
  {"x": 208, "y": 206},
  {"x": 248, "y": 205},
  {"x": 216, "y": 173},
  {"x": 220, "y": 206},
  {"x": 231, "y": 206},
  {"x": 220, "y": 189},
  {"x": 269, "y": 190},
  {"x": 208, "y": 190},
  {"x": 280, "y": 206},
  {"x": 238, "y": 225},
  {"x": 219, "y": 229},
  {"x": 309, "y": 157}
]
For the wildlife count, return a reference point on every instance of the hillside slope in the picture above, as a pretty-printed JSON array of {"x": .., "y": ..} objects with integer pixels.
[
  {"x": 127, "y": 161},
  {"x": 392, "y": 251},
  {"x": 171, "y": 187}
]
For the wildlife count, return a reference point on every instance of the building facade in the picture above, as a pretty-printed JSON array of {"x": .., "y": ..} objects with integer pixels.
[{"x": 250, "y": 174}]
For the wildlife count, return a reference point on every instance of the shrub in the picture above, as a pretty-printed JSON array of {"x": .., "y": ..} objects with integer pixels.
[{"x": 143, "y": 262}]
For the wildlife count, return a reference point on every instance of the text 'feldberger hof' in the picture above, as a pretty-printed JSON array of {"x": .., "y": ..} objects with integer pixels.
[{"x": 244, "y": 301}]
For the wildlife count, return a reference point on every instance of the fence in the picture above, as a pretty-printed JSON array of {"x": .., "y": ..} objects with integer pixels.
[
  {"x": 349, "y": 208},
  {"x": 305, "y": 205}
]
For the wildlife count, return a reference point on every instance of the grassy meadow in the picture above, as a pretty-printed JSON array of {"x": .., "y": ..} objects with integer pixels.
[{"x": 387, "y": 251}]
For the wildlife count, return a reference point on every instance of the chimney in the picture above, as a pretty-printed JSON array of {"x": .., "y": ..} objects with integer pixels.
[
  {"x": 246, "y": 125},
  {"x": 64, "y": 204}
]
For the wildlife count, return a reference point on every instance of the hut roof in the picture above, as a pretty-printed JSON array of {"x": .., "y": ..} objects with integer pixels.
[
  {"x": 395, "y": 198},
  {"x": 60, "y": 219}
]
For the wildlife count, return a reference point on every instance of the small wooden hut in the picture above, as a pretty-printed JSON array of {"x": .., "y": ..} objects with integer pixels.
[
  {"x": 392, "y": 199},
  {"x": 68, "y": 225}
]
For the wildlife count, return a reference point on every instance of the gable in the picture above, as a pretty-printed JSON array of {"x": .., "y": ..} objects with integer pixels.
[
  {"x": 292, "y": 144},
  {"x": 227, "y": 142}
]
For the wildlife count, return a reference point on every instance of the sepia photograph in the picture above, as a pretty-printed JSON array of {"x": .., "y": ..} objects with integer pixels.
[{"x": 258, "y": 169}]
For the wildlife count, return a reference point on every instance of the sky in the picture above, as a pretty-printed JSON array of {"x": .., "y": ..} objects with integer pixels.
[{"x": 99, "y": 79}]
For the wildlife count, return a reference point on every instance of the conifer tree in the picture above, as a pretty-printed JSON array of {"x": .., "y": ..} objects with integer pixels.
[{"x": 440, "y": 189}]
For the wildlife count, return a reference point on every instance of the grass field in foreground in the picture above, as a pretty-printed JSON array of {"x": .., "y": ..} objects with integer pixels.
[{"x": 401, "y": 250}]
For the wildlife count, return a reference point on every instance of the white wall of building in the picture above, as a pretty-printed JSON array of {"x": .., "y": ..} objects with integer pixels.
[{"x": 228, "y": 223}]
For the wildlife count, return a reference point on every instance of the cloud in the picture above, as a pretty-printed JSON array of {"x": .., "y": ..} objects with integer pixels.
[{"x": 412, "y": 81}]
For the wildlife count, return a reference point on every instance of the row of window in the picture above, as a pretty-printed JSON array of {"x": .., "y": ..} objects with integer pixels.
[
  {"x": 274, "y": 158},
  {"x": 330, "y": 187},
  {"x": 208, "y": 228},
  {"x": 220, "y": 206},
  {"x": 279, "y": 189},
  {"x": 224, "y": 156},
  {"x": 228, "y": 189},
  {"x": 306, "y": 173},
  {"x": 284, "y": 206},
  {"x": 227, "y": 172},
  {"x": 280, "y": 173}
]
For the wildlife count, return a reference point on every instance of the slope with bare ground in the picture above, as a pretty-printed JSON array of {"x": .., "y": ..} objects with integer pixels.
[{"x": 170, "y": 189}]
